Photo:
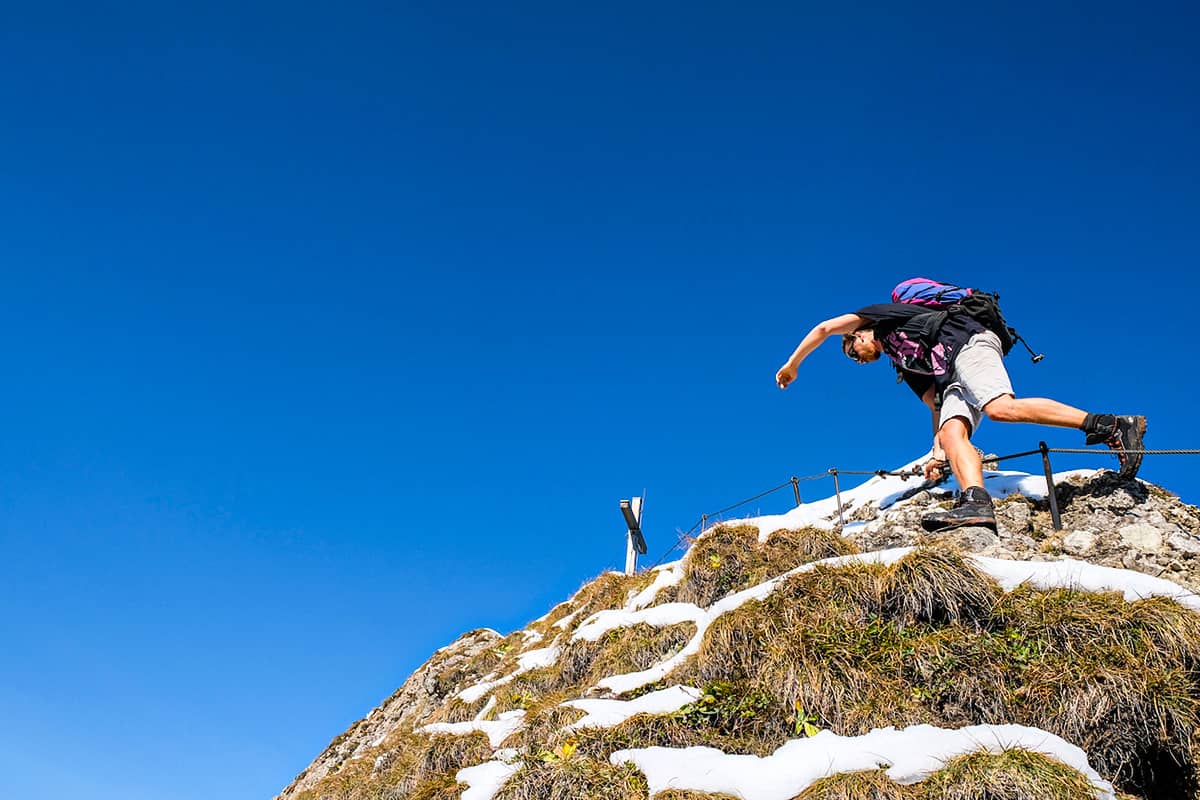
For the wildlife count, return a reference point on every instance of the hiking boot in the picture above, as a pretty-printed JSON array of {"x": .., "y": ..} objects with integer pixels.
[
  {"x": 973, "y": 507},
  {"x": 1124, "y": 433}
]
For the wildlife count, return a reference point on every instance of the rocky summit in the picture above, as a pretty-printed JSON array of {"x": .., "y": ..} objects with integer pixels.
[{"x": 836, "y": 652}]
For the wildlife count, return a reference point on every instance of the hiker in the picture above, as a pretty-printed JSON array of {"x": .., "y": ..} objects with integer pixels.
[{"x": 955, "y": 365}]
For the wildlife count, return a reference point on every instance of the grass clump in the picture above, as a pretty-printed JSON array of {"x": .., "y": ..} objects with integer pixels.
[
  {"x": 575, "y": 778},
  {"x": 730, "y": 557},
  {"x": 1015, "y": 774},
  {"x": 871, "y": 784},
  {"x": 937, "y": 585},
  {"x": 409, "y": 766},
  {"x": 628, "y": 649}
]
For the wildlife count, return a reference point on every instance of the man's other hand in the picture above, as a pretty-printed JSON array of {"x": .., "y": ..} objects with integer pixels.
[
  {"x": 937, "y": 469},
  {"x": 786, "y": 374}
]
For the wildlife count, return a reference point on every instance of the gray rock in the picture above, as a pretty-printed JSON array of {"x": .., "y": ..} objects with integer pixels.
[
  {"x": 1079, "y": 543},
  {"x": 1014, "y": 515},
  {"x": 1120, "y": 501},
  {"x": 1184, "y": 543},
  {"x": 973, "y": 539},
  {"x": 1142, "y": 537}
]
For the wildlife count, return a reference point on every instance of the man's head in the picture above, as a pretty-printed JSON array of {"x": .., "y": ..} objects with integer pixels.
[{"x": 861, "y": 346}]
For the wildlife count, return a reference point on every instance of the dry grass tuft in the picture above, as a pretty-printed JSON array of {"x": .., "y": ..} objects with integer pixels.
[
  {"x": 787, "y": 549},
  {"x": 575, "y": 778},
  {"x": 1012, "y": 775},
  {"x": 609, "y": 590},
  {"x": 718, "y": 563},
  {"x": 457, "y": 710},
  {"x": 641, "y": 730},
  {"x": 684, "y": 794},
  {"x": 938, "y": 585},
  {"x": 441, "y": 787},
  {"x": 544, "y": 722},
  {"x": 729, "y": 558},
  {"x": 866, "y": 785},
  {"x": 628, "y": 649},
  {"x": 409, "y": 766},
  {"x": 446, "y": 755}
]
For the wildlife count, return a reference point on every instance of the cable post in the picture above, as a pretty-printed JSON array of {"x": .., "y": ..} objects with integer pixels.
[
  {"x": 1051, "y": 495},
  {"x": 837, "y": 490}
]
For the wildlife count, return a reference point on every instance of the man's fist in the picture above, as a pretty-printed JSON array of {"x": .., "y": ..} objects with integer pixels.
[
  {"x": 937, "y": 469},
  {"x": 786, "y": 374}
]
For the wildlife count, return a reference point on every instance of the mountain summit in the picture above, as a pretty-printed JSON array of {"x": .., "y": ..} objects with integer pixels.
[{"x": 830, "y": 654}]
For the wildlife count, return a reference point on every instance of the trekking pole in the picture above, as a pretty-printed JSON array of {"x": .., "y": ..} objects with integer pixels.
[
  {"x": 796, "y": 489},
  {"x": 1035, "y": 357}
]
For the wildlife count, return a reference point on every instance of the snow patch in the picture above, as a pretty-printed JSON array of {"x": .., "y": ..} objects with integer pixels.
[
  {"x": 608, "y": 713},
  {"x": 910, "y": 755},
  {"x": 496, "y": 730},
  {"x": 667, "y": 576},
  {"x": 485, "y": 779}
]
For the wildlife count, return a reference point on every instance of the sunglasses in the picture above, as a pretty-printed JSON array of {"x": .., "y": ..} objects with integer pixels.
[{"x": 850, "y": 352}]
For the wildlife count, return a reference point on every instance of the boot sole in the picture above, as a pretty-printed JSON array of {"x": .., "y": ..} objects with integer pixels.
[
  {"x": 935, "y": 526},
  {"x": 1127, "y": 473}
]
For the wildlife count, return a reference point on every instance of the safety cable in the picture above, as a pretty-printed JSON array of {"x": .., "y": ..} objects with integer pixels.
[{"x": 834, "y": 471}]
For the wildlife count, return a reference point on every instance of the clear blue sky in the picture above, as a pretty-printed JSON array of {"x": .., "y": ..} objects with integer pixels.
[{"x": 331, "y": 333}]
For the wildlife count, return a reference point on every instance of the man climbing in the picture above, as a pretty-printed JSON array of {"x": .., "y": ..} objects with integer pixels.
[{"x": 955, "y": 365}]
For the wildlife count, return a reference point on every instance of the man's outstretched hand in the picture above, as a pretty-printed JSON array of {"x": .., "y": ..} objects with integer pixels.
[{"x": 786, "y": 375}]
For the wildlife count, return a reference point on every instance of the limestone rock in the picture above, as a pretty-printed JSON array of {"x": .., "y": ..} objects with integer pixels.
[
  {"x": 1142, "y": 537},
  {"x": 1079, "y": 543}
]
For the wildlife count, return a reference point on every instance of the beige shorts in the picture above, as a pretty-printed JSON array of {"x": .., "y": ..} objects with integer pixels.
[{"x": 979, "y": 378}]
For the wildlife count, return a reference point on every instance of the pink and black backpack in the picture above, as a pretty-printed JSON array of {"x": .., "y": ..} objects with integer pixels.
[{"x": 983, "y": 307}]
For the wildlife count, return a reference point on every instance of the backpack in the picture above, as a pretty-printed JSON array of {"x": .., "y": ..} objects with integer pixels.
[{"x": 983, "y": 307}]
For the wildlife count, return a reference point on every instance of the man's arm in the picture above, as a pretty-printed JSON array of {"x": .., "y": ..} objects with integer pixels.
[{"x": 846, "y": 323}]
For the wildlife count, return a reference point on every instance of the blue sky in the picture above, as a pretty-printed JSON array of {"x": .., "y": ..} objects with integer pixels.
[{"x": 334, "y": 333}]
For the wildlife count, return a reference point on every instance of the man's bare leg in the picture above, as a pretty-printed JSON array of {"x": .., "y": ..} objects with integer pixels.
[
  {"x": 955, "y": 438},
  {"x": 1039, "y": 410}
]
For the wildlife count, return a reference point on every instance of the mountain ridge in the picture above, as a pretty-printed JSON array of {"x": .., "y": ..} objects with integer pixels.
[{"x": 865, "y": 613}]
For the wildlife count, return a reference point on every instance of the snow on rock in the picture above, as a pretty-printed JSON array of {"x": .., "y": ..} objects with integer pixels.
[
  {"x": 534, "y": 659},
  {"x": 473, "y": 693},
  {"x": 910, "y": 755},
  {"x": 1002, "y": 483},
  {"x": 602, "y": 622},
  {"x": 496, "y": 730},
  {"x": 608, "y": 713},
  {"x": 565, "y": 621},
  {"x": 668, "y": 575},
  {"x": 487, "y": 708},
  {"x": 485, "y": 779},
  {"x": 1069, "y": 573}
]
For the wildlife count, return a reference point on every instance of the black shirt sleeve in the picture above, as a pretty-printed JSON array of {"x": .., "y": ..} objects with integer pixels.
[{"x": 886, "y": 317}]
